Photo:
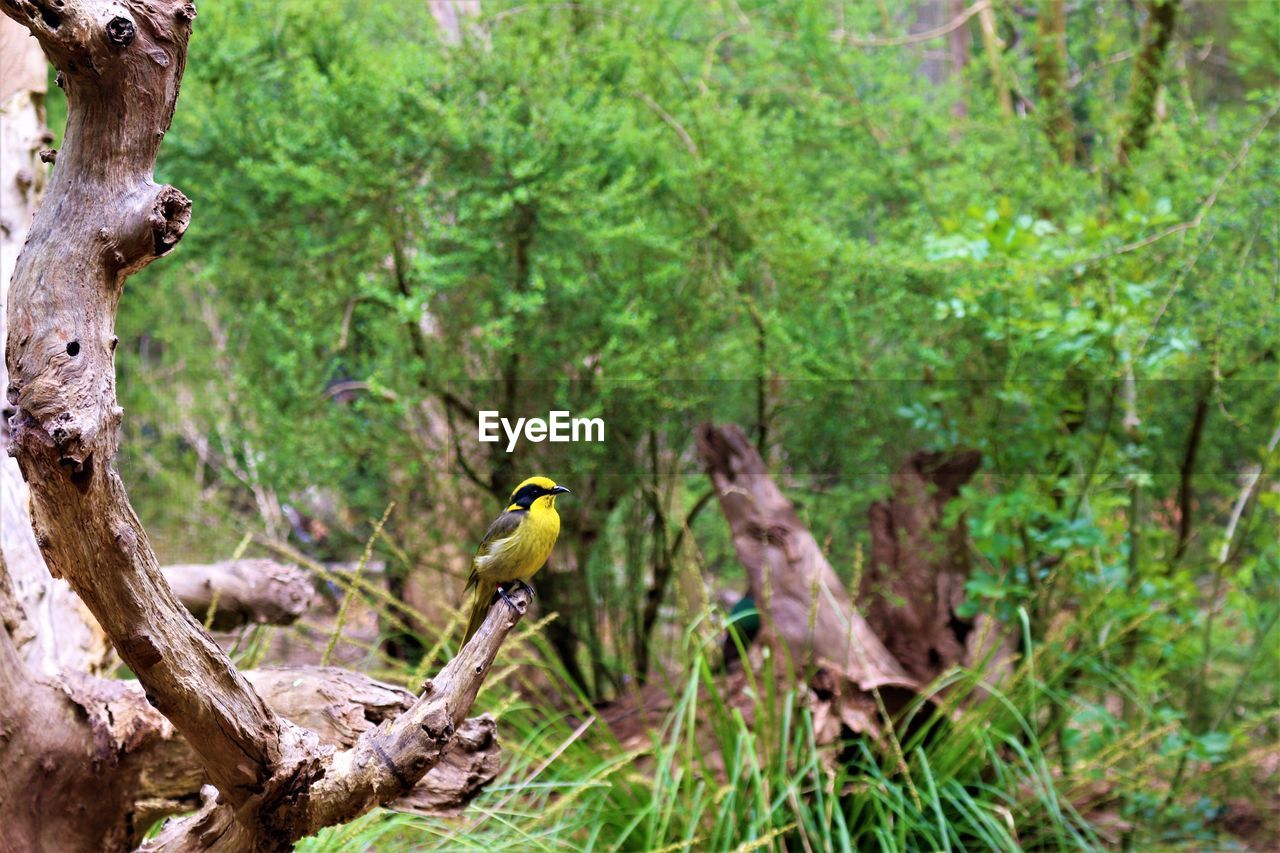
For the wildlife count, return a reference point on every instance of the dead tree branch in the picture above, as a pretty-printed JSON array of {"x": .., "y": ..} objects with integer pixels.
[
  {"x": 140, "y": 769},
  {"x": 800, "y": 597},
  {"x": 915, "y": 581},
  {"x": 104, "y": 218},
  {"x": 382, "y": 766},
  {"x": 240, "y": 592}
]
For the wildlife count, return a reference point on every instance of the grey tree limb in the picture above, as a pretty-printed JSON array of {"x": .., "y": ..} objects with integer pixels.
[{"x": 103, "y": 218}]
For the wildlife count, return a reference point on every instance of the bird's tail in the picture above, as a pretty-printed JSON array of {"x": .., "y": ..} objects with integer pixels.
[{"x": 481, "y": 600}]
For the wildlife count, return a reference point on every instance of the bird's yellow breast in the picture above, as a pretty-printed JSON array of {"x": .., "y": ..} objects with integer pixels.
[{"x": 525, "y": 550}]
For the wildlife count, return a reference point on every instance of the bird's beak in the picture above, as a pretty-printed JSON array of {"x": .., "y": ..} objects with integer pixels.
[{"x": 559, "y": 490}]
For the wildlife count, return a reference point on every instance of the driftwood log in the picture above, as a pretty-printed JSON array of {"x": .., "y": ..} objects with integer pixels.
[
  {"x": 240, "y": 592},
  {"x": 103, "y": 218},
  {"x": 90, "y": 765}
]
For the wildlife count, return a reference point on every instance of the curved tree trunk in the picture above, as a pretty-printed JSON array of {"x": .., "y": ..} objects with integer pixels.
[
  {"x": 104, "y": 218},
  {"x": 63, "y": 634},
  {"x": 1051, "y": 78}
]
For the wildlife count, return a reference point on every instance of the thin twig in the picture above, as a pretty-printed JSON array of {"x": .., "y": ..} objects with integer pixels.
[
  {"x": 1246, "y": 494},
  {"x": 1225, "y": 555},
  {"x": 671, "y": 122},
  {"x": 840, "y": 37},
  {"x": 1205, "y": 206}
]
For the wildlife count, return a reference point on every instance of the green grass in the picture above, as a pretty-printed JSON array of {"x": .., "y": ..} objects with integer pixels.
[{"x": 979, "y": 774}]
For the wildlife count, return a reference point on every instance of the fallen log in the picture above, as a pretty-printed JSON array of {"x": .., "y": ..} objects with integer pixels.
[
  {"x": 98, "y": 746},
  {"x": 240, "y": 592}
]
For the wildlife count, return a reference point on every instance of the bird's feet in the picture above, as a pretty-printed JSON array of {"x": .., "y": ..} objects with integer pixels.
[
  {"x": 510, "y": 603},
  {"x": 526, "y": 588}
]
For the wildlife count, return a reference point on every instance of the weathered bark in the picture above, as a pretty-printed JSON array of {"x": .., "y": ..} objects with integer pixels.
[
  {"x": 103, "y": 218},
  {"x": 383, "y": 764},
  {"x": 800, "y": 597},
  {"x": 916, "y": 575},
  {"x": 340, "y": 706},
  {"x": 98, "y": 746},
  {"x": 1051, "y": 78},
  {"x": 95, "y": 745},
  {"x": 73, "y": 751},
  {"x": 241, "y": 591},
  {"x": 63, "y": 634}
]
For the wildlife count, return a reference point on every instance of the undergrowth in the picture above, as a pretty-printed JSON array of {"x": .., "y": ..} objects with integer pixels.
[{"x": 979, "y": 762}]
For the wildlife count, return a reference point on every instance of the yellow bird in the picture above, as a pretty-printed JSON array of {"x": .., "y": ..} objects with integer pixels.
[{"x": 515, "y": 546}]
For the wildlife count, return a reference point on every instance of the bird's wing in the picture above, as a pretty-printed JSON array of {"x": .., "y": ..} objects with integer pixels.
[{"x": 501, "y": 529}]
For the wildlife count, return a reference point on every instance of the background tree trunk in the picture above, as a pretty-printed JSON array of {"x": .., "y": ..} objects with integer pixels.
[
  {"x": 958, "y": 44},
  {"x": 916, "y": 577},
  {"x": 993, "y": 47},
  {"x": 800, "y": 598},
  {"x": 1157, "y": 33},
  {"x": 1051, "y": 77},
  {"x": 451, "y": 15}
]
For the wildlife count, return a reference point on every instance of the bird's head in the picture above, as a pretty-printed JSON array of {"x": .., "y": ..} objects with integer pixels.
[{"x": 539, "y": 490}]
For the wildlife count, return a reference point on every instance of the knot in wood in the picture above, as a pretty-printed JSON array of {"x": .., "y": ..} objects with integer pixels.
[
  {"x": 170, "y": 215},
  {"x": 120, "y": 31},
  {"x": 140, "y": 652},
  {"x": 126, "y": 539},
  {"x": 439, "y": 734}
]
